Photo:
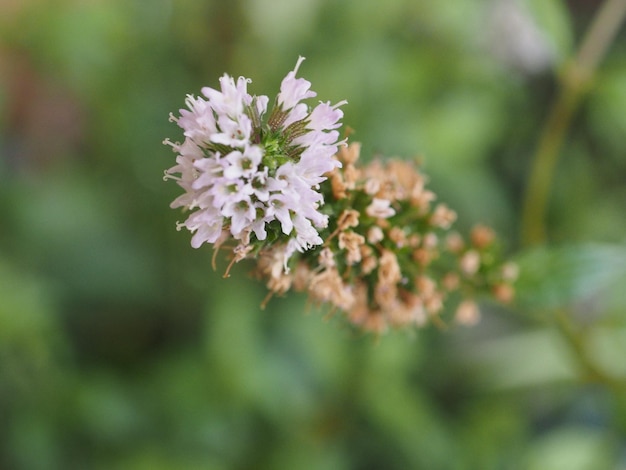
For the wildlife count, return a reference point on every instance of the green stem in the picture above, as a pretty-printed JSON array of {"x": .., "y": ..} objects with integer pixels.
[
  {"x": 574, "y": 85},
  {"x": 577, "y": 341}
]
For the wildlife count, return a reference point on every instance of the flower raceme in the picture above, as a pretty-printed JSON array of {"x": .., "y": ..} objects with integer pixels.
[
  {"x": 389, "y": 257},
  {"x": 365, "y": 240},
  {"x": 251, "y": 174}
]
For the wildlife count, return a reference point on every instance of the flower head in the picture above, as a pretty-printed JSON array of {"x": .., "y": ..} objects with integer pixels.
[{"x": 249, "y": 172}]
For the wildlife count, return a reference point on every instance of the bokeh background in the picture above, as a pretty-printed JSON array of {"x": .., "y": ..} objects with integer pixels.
[{"x": 120, "y": 347}]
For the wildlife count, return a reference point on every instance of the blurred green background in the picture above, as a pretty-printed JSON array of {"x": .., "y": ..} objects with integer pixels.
[{"x": 121, "y": 348}]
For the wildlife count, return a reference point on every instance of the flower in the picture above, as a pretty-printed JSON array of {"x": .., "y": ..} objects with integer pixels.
[
  {"x": 380, "y": 208},
  {"x": 388, "y": 258},
  {"x": 366, "y": 240},
  {"x": 248, "y": 172}
]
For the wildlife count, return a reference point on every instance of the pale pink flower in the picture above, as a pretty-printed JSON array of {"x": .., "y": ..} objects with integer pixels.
[
  {"x": 242, "y": 168},
  {"x": 293, "y": 90},
  {"x": 243, "y": 164},
  {"x": 234, "y": 133},
  {"x": 325, "y": 116},
  {"x": 231, "y": 99}
]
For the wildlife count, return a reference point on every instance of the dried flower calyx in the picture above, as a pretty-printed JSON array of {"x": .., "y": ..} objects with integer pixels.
[{"x": 389, "y": 258}]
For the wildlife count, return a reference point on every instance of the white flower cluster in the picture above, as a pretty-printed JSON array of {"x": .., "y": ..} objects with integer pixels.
[{"x": 247, "y": 172}]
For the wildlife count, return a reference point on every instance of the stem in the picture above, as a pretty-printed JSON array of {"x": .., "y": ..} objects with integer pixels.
[
  {"x": 577, "y": 341},
  {"x": 574, "y": 85}
]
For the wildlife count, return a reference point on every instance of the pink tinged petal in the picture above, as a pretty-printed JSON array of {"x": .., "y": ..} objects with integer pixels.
[
  {"x": 235, "y": 169},
  {"x": 318, "y": 219},
  {"x": 312, "y": 167},
  {"x": 207, "y": 226},
  {"x": 206, "y": 123},
  {"x": 203, "y": 181},
  {"x": 231, "y": 92},
  {"x": 295, "y": 176},
  {"x": 200, "y": 120},
  {"x": 303, "y": 200},
  {"x": 254, "y": 153},
  {"x": 286, "y": 172},
  {"x": 261, "y": 104},
  {"x": 209, "y": 165},
  {"x": 247, "y": 190},
  {"x": 208, "y": 170},
  {"x": 185, "y": 168},
  {"x": 324, "y": 116},
  {"x": 211, "y": 93},
  {"x": 234, "y": 133},
  {"x": 231, "y": 99},
  {"x": 259, "y": 191},
  {"x": 196, "y": 107},
  {"x": 317, "y": 139},
  {"x": 323, "y": 221},
  {"x": 237, "y": 223},
  {"x": 190, "y": 149},
  {"x": 206, "y": 234},
  {"x": 243, "y": 164},
  {"x": 279, "y": 209},
  {"x": 290, "y": 249},
  {"x": 203, "y": 200},
  {"x": 274, "y": 184},
  {"x": 184, "y": 200},
  {"x": 293, "y": 90},
  {"x": 299, "y": 196},
  {"x": 241, "y": 213},
  {"x": 198, "y": 123},
  {"x": 242, "y": 89},
  {"x": 261, "y": 185},
  {"x": 225, "y": 191},
  {"x": 306, "y": 235},
  {"x": 258, "y": 225},
  {"x": 297, "y": 113}
]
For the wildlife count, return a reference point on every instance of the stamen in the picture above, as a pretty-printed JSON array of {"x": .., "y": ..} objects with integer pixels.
[
  {"x": 168, "y": 176},
  {"x": 300, "y": 60},
  {"x": 266, "y": 300},
  {"x": 331, "y": 236},
  {"x": 331, "y": 313},
  {"x": 216, "y": 250},
  {"x": 230, "y": 265},
  {"x": 438, "y": 322}
]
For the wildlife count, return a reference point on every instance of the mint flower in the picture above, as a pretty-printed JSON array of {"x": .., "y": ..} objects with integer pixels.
[
  {"x": 253, "y": 175},
  {"x": 381, "y": 251}
]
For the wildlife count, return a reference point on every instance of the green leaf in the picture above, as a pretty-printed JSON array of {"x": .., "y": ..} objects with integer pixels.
[
  {"x": 553, "y": 277},
  {"x": 574, "y": 448}
]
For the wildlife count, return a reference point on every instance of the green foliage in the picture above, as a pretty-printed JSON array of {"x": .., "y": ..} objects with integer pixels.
[
  {"x": 121, "y": 348},
  {"x": 571, "y": 275}
]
